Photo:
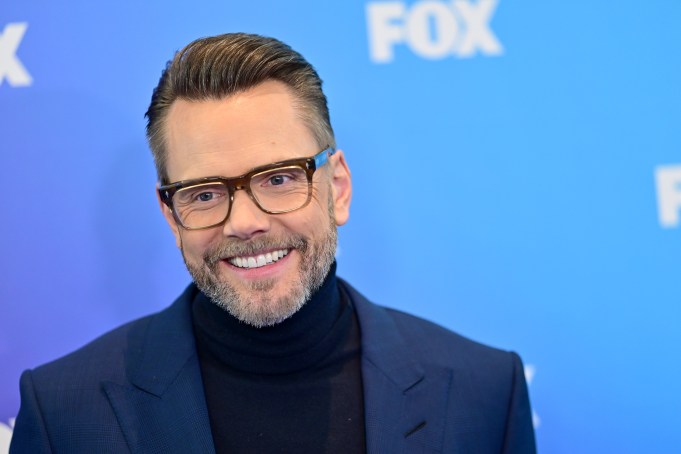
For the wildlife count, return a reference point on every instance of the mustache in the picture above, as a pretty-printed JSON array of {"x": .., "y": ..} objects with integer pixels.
[{"x": 231, "y": 247}]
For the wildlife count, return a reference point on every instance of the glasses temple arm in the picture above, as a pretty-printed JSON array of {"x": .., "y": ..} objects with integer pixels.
[{"x": 323, "y": 156}]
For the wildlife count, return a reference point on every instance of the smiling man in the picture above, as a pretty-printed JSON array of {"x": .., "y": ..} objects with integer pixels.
[
  {"x": 266, "y": 351},
  {"x": 258, "y": 266}
]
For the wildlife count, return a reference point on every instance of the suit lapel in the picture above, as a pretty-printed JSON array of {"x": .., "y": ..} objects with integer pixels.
[
  {"x": 163, "y": 407},
  {"x": 405, "y": 401}
]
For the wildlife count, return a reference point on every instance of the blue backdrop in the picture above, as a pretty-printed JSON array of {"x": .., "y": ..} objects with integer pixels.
[{"x": 545, "y": 137}]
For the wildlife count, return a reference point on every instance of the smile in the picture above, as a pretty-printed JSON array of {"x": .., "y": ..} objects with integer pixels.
[{"x": 260, "y": 260}]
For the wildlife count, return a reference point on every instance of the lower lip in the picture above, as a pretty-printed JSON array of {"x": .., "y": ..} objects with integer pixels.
[{"x": 260, "y": 272}]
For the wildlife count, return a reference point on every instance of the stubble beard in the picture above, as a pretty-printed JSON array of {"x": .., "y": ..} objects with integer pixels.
[{"x": 255, "y": 304}]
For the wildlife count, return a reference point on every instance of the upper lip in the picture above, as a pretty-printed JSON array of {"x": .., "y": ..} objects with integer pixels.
[{"x": 257, "y": 253}]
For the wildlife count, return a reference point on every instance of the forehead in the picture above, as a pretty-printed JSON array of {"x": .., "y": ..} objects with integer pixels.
[{"x": 229, "y": 136}]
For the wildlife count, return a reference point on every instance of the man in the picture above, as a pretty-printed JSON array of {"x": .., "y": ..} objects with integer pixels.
[{"x": 267, "y": 351}]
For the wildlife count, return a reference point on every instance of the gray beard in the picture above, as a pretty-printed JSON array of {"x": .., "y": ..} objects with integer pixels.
[{"x": 256, "y": 306}]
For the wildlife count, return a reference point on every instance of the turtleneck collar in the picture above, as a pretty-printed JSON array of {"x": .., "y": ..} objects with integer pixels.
[{"x": 296, "y": 344}]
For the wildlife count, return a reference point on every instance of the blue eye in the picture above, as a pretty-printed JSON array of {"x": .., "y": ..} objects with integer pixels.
[
  {"x": 205, "y": 196},
  {"x": 277, "y": 180}
]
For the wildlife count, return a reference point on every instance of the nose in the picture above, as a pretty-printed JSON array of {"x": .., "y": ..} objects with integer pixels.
[{"x": 245, "y": 220}]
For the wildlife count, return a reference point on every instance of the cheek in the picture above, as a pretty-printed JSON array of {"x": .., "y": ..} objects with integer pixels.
[
  {"x": 309, "y": 221},
  {"x": 194, "y": 244},
  {"x": 321, "y": 195},
  {"x": 317, "y": 222},
  {"x": 312, "y": 219}
]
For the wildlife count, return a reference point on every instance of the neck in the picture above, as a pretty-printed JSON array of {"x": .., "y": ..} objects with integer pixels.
[{"x": 295, "y": 344}]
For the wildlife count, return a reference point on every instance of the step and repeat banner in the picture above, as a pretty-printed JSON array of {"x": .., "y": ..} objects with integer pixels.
[{"x": 517, "y": 178}]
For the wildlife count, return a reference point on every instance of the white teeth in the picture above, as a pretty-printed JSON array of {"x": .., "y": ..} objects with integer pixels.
[{"x": 259, "y": 260}]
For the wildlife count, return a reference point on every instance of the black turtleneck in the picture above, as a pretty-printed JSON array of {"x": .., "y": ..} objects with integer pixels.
[{"x": 290, "y": 388}]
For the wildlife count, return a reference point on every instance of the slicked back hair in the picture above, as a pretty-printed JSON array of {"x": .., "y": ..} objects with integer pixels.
[{"x": 216, "y": 67}]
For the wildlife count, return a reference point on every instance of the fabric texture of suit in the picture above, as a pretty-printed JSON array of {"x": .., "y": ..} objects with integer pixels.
[{"x": 138, "y": 389}]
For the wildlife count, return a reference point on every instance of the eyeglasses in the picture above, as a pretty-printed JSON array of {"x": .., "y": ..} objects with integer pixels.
[{"x": 276, "y": 188}]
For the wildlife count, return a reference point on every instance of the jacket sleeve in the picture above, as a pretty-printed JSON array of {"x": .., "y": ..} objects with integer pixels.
[
  {"x": 519, "y": 436},
  {"x": 30, "y": 435}
]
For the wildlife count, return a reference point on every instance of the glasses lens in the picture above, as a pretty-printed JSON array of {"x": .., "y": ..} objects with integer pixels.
[
  {"x": 280, "y": 190},
  {"x": 202, "y": 205}
]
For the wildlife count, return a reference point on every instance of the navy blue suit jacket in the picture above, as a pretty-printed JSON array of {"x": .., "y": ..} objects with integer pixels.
[{"x": 138, "y": 389}]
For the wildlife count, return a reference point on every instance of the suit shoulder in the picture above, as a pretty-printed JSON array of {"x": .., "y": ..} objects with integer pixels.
[
  {"x": 105, "y": 356},
  {"x": 491, "y": 369},
  {"x": 432, "y": 336},
  {"x": 105, "y": 353},
  {"x": 417, "y": 332},
  {"x": 429, "y": 341},
  {"x": 486, "y": 385}
]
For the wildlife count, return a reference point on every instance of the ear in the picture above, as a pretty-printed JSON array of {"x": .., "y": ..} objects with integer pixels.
[
  {"x": 341, "y": 187},
  {"x": 168, "y": 215}
]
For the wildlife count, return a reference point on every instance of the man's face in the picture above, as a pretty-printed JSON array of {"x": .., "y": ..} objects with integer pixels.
[{"x": 227, "y": 138}]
